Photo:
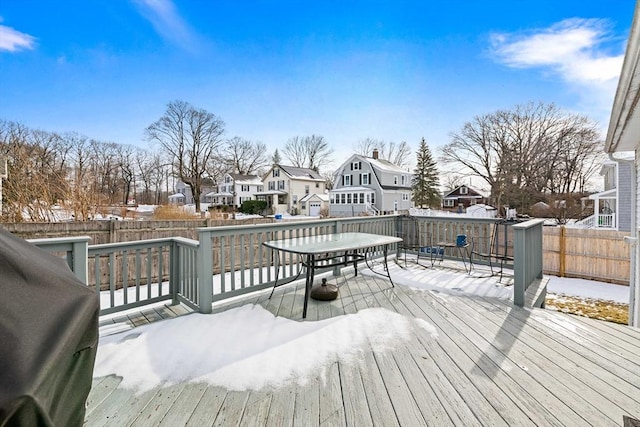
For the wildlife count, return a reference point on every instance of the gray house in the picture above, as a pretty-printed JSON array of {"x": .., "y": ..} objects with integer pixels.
[
  {"x": 369, "y": 186},
  {"x": 624, "y": 136}
]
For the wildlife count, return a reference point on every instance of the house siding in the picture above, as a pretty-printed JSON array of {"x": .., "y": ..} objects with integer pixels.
[
  {"x": 387, "y": 185},
  {"x": 625, "y": 190}
]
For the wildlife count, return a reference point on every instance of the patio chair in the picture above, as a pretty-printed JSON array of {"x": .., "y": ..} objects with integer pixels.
[
  {"x": 415, "y": 240},
  {"x": 461, "y": 243},
  {"x": 488, "y": 248}
]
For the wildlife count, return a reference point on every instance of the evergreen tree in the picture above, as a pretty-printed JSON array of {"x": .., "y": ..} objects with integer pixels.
[
  {"x": 425, "y": 180},
  {"x": 276, "y": 159}
]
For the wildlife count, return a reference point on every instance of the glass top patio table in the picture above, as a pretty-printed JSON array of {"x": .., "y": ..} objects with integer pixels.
[
  {"x": 326, "y": 243},
  {"x": 315, "y": 248}
]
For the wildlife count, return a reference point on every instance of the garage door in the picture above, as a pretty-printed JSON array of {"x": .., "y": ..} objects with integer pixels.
[{"x": 314, "y": 208}]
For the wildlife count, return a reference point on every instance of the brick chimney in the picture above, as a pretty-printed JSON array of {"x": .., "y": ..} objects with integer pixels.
[{"x": 375, "y": 153}]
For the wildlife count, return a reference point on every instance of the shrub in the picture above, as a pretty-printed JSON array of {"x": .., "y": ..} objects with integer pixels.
[{"x": 253, "y": 207}]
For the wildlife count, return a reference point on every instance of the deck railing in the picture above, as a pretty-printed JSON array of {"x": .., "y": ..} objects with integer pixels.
[
  {"x": 229, "y": 261},
  {"x": 528, "y": 254},
  {"x": 72, "y": 249}
]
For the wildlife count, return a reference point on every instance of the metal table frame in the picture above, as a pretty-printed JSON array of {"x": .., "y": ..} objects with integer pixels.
[{"x": 331, "y": 250}]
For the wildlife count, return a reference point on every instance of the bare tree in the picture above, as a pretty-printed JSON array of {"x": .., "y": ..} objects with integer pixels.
[
  {"x": 525, "y": 152},
  {"x": 397, "y": 153},
  {"x": 311, "y": 152},
  {"x": 190, "y": 138},
  {"x": 245, "y": 157}
]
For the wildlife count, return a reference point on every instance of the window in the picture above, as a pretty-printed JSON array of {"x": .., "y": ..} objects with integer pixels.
[
  {"x": 306, "y": 189},
  {"x": 343, "y": 197},
  {"x": 281, "y": 185},
  {"x": 303, "y": 205},
  {"x": 464, "y": 190},
  {"x": 448, "y": 203},
  {"x": 245, "y": 188},
  {"x": 295, "y": 199},
  {"x": 276, "y": 173},
  {"x": 361, "y": 198},
  {"x": 395, "y": 180},
  {"x": 272, "y": 185},
  {"x": 347, "y": 180},
  {"x": 355, "y": 166},
  {"x": 333, "y": 199},
  {"x": 368, "y": 198},
  {"x": 373, "y": 197},
  {"x": 404, "y": 179},
  {"x": 364, "y": 178},
  {"x": 405, "y": 196},
  {"x": 317, "y": 185},
  {"x": 348, "y": 198}
]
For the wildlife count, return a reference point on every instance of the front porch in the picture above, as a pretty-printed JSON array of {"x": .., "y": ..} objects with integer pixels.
[{"x": 465, "y": 359}]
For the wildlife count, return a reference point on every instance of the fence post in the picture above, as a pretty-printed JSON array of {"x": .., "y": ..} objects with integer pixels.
[
  {"x": 205, "y": 272},
  {"x": 563, "y": 252}
]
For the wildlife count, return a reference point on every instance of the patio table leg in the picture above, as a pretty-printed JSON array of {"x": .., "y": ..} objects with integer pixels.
[{"x": 310, "y": 273}]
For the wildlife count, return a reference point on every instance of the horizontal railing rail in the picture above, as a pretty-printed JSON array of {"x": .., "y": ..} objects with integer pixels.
[
  {"x": 133, "y": 274},
  {"x": 241, "y": 264},
  {"x": 231, "y": 260}
]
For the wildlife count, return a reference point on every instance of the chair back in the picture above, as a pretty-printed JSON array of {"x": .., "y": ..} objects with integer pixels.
[{"x": 461, "y": 240}]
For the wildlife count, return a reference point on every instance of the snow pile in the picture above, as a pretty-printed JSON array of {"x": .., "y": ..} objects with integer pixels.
[{"x": 246, "y": 347}]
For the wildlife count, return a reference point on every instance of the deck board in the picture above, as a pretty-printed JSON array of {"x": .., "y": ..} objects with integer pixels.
[{"x": 469, "y": 360}]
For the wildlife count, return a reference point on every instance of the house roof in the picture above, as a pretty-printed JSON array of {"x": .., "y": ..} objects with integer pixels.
[
  {"x": 299, "y": 173},
  {"x": 455, "y": 193},
  {"x": 270, "y": 193},
  {"x": 624, "y": 126},
  {"x": 246, "y": 179},
  {"x": 351, "y": 189},
  {"x": 322, "y": 197},
  {"x": 380, "y": 164},
  {"x": 177, "y": 196}
]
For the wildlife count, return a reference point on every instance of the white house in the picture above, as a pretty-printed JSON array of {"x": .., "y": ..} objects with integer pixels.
[
  {"x": 623, "y": 135},
  {"x": 369, "y": 185},
  {"x": 234, "y": 189},
  {"x": 612, "y": 206},
  {"x": 286, "y": 186},
  {"x": 207, "y": 186},
  {"x": 313, "y": 204}
]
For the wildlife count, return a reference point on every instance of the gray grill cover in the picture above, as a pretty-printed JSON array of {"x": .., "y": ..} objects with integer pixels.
[{"x": 48, "y": 337}]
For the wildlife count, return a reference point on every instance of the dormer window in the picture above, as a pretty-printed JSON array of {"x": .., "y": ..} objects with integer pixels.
[{"x": 464, "y": 190}]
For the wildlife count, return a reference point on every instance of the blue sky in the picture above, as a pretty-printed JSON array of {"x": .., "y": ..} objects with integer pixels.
[{"x": 393, "y": 70}]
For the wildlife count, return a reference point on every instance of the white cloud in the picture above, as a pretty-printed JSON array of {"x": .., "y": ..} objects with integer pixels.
[
  {"x": 12, "y": 40},
  {"x": 167, "y": 22},
  {"x": 571, "y": 47}
]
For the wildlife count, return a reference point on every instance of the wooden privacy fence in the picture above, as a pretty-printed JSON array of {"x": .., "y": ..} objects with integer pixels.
[
  {"x": 569, "y": 252},
  {"x": 586, "y": 253}
]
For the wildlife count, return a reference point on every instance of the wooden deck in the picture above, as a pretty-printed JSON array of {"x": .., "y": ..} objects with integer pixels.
[{"x": 491, "y": 364}]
